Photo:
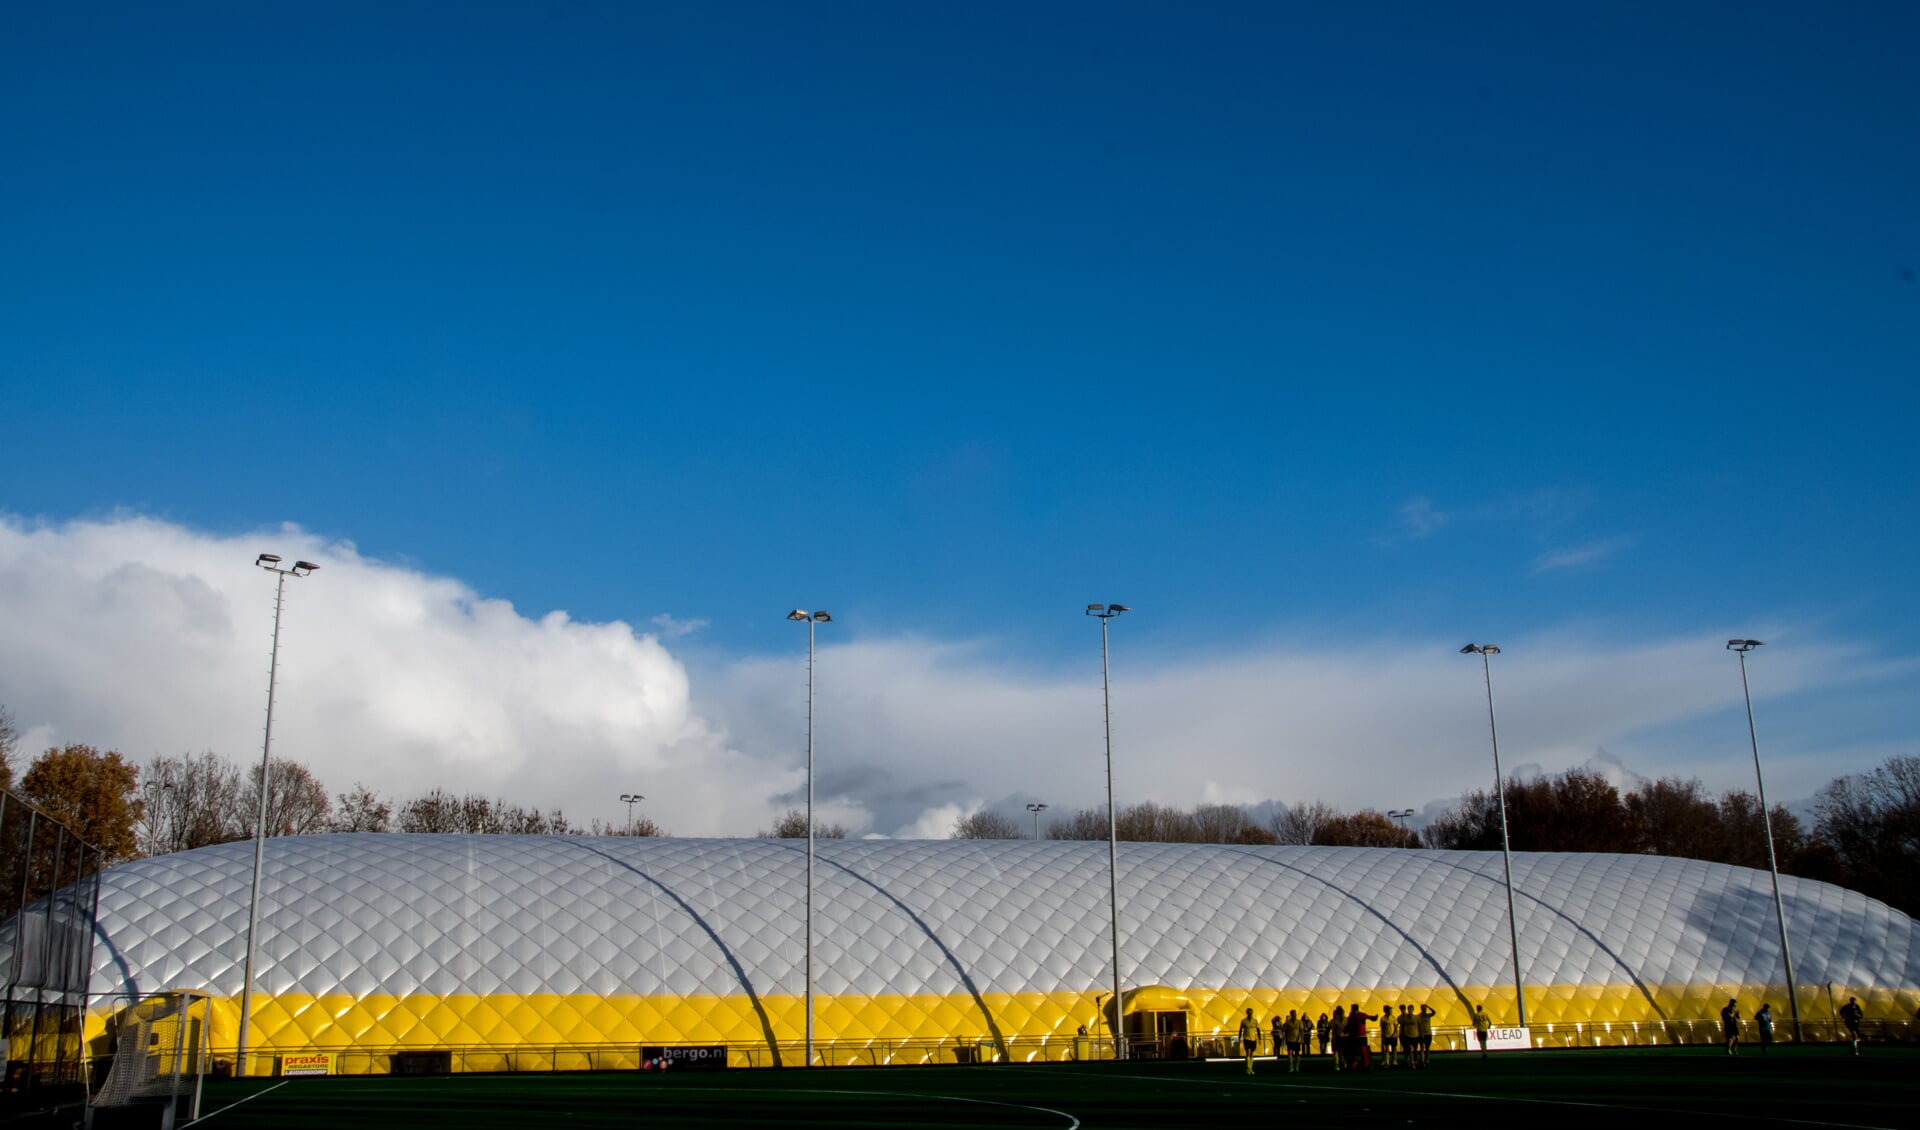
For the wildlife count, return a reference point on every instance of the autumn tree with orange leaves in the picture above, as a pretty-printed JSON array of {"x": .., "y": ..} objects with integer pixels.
[{"x": 94, "y": 793}]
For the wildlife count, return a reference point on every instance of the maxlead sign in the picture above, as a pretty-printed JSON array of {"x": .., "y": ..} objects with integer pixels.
[
  {"x": 317, "y": 1063},
  {"x": 1508, "y": 1040}
]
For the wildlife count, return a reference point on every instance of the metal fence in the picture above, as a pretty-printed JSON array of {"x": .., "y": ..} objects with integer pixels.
[
  {"x": 49, "y": 895},
  {"x": 466, "y": 1059}
]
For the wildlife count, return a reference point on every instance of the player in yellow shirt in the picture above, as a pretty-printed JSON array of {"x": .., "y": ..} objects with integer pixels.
[
  {"x": 1295, "y": 1033},
  {"x": 1249, "y": 1039}
]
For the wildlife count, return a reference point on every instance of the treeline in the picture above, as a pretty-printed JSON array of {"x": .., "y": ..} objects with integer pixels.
[
  {"x": 1148, "y": 822},
  {"x": 1865, "y": 835},
  {"x": 200, "y": 799},
  {"x": 1866, "y": 832},
  {"x": 196, "y": 800}
]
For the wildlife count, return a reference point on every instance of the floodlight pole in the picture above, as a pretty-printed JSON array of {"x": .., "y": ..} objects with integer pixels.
[
  {"x": 1106, "y": 612},
  {"x": 629, "y": 799},
  {"x": 811, "y": 618},
  {"x": 1740, "y": 648},
  {"x": 1036, "y": 809},
  {"x": 271, "y": 563},
  {"x": 1506, "y": 851}
]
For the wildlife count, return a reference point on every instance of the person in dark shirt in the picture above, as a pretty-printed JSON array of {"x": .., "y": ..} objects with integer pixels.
[
  {"x": 1851, "y": 1015},
  {"x": 1730, "y": 1025},
  {"x": 1763, "y": 1024}
]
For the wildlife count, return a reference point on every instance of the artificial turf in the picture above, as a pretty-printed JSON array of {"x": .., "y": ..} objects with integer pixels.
[{"x": 1648, "y": 1087}]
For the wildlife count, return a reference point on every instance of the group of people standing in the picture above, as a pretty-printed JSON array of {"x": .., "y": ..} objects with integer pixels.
[
  {"x": 1406, "y": 1037},
  {"x": 1732, "y": 1025}
]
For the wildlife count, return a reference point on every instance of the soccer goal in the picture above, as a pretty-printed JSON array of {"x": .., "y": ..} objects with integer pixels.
[{"x": 159, "y": 1058}]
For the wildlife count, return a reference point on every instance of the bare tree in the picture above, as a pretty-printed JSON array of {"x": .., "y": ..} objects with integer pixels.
[
  {"x": 988, "y": 825},
  {"x": 1675, "y": 817},
  {"x": 297, "y": 803},
  {"x": 436, "y": 811},
  {"x": 640, "y": 826},
  {"x": 9, "y": 741},
  {"x": 1084, "y": 824},
  {"x": 1870, "y": 822},
  {"x": 1226, "y": 824},
  {"x": 1297, "y": 823},
  {"x": 192, "y": 801},
  {"x": 1147, "y": 822},
  {"x": 793, "y": 826},
  {"x": 361, "y": 810},
  {"x": 1743, "y": 836},
  {"x": 1578, "y": 810},
  {"x": 439, "y": 811}
]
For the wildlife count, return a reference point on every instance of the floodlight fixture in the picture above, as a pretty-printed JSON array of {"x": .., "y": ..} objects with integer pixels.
[
  {"x": 1036, "y": 808},
  {"x": 817, "y": 616},
  {"x": 1741, "y": 648},
  {"x": 1105, "y": 613},
  {"x": 271, "y": 563},
  {"x": 1485, "y": 651}
]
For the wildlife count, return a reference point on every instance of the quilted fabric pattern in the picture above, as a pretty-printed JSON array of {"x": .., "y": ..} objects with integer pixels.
[{"x": 394, "y": 939}]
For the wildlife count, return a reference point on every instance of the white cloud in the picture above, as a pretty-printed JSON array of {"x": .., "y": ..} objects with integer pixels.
[
  {"x": 1418, "y": 518},
  {"x": 143, "y": 636},
  {"x": 673, "y": 628},
  {"x": 1586, "y": 553},
  {"x": 151, "y": 638},
  {"x": 937, "y": 823},
  {"x": 1383, "y": 726}
]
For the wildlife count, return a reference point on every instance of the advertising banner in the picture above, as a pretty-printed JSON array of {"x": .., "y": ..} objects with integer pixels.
[
  {"x": 1508, "y": 1040},
  {"x": 712, "y": 1057},
  {"x": 312, "y": 1063}
]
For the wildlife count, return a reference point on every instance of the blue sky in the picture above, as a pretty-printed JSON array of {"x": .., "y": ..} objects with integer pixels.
[{"x": 1301, "y": 331}]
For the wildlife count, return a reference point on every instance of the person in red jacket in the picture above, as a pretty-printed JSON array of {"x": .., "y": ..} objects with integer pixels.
[{"x": 1357, "y": 1029}]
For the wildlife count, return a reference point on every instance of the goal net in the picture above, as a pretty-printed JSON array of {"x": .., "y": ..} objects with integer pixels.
[{"x": 159, "y": 1056}]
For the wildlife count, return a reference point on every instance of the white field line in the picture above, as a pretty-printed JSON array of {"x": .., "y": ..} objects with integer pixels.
[{"x": 231, "y": 1105}]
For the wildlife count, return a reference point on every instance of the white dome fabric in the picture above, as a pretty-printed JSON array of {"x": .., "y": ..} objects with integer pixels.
[{"x": 394, "y": 939}]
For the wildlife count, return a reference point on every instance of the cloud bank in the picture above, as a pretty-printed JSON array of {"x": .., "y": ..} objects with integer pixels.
[{"x": 151, "y": 638}]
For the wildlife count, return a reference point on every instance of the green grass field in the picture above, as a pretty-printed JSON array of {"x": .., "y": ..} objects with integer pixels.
[{"x": 1631, "y": 1088}]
